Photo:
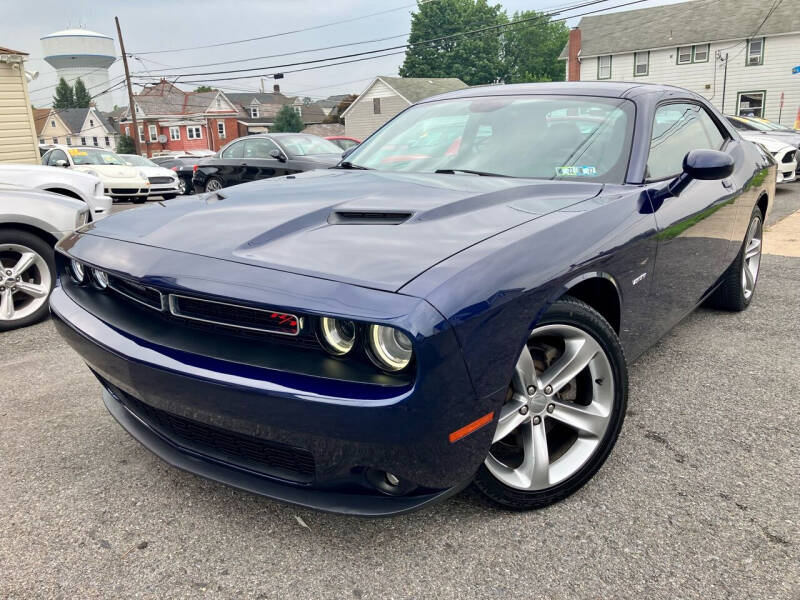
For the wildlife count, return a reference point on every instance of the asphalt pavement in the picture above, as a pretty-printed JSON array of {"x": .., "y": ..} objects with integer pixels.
[{"x": 700, "y": 497}]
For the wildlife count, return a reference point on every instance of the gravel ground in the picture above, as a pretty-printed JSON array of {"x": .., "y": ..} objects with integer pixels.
[{"x": 700, "y": 497}]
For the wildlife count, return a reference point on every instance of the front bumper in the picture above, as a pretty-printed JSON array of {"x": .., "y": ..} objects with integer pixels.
[
  {"x": 100, "y": 206},
  {"x": 787, "y": 166},
  {"x": 351, "y": 432},
  {"x": 158, "y": 189}
]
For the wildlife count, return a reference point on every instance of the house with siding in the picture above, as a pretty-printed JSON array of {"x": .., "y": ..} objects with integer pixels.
[
  {"x": 739, "y": 54},
  {"x": 387, "y": 96},
  {"x": 172, "y": 120},
  {"x": 17, "y": 129},
  {"x": 75, "y": 127},
  {"x": 257, "y": 110}
]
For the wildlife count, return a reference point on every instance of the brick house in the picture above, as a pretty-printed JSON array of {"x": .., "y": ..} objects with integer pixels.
[
  {"x": 172, "y": 120},
  {"x": 739, "y": 54}
]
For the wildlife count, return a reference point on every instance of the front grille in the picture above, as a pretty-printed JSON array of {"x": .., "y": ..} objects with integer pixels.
[
  {"x": 234, "y": 315},
  {"x": 789, "y": 157},
  {"x": 220, "y": 443},
  {"x": 142, "y": 294},
  {"x": 154, "y": 180}
]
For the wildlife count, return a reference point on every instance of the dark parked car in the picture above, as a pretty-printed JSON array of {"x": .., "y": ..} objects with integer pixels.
[
  {"x": 263, "y": 156},
  {"x": 183, "y": 166},
  {"x": 372, "y": 338}
]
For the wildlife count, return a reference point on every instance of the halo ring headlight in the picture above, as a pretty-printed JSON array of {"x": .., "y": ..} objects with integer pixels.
[
  {"x": 77, "y": 271},
  {"x": 100, "y": 279},
  {"x": 390, "y": 348},
  {"x": 338, "y": 335}
]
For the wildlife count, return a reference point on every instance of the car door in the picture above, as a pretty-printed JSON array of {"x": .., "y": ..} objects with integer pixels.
[
  {"x": 230, "y": 164},
  {"x": 56, "y": 155},
  {"x": 258, "y": 162},
  {"x": 694, "y": 227}
]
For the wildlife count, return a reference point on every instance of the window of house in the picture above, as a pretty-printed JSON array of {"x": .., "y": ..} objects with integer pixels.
[
  {"x": 94, "y": 141},
  {"x": 298, "y": 110},
  {"x": 755, "y": 52},
  {"x": 751, "y": 104},
  {"x": 91, "y": 122},
  {"x": 83, "y": 141},
  {"x": 55, "y": 140},
  {"x": 174, "y": 133},
  {"x": 141, "y": 133},
  {"x": 219, "y": 103},
  {"x": 41, "y": 140},
  {"x": 53, "y": 123},
  {"x": 127, "y": 131},
  {"x": 678, "y": 129},
  {"x": 254, "y": 112},
  {"x": 641, "y": 63},
  {"x": 153, "y": 130},
  {"x": 684, "y": 55},
  {"x": 700, "y": 53},
  {"x": 69, "y": 141},
  {"x": 194, "y": 132},
  {"x": 221, "y": 129},
  {"x": 376, "y": 106},
  {"x": 107, "y": 141},
  {"x": 604, "y": 67}
]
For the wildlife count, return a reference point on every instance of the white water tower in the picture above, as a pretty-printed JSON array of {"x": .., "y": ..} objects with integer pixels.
[{"x": 75, "y": 53}]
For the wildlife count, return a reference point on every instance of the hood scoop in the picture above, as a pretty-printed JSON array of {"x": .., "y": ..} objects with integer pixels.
[{"x": 361, "y": 217}]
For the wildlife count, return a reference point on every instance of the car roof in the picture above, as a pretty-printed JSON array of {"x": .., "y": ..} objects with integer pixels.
[{"x": 614, "y": 89}]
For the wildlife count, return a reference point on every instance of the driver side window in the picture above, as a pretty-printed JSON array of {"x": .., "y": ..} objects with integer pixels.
[
  {"x": 55, "y": 156},
  {"x": 678, "y": 129},
  {"x": 259, "y": 148}
]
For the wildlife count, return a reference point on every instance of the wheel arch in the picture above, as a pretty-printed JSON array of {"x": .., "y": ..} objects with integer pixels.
[
  {"x": 600, "y": 291},
  {"x": 763, "y": 203},
  {"x": 45, "y": 235}
]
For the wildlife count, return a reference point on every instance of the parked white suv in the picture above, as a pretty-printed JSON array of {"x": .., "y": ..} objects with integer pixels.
[
  {"x": 163, "y": 182},
  {"x": 120, "y": 181},
  {"x": 74, "y": 184}
]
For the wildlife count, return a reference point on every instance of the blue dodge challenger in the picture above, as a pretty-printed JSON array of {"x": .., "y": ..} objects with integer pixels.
[{"x": 455, "y": 302}]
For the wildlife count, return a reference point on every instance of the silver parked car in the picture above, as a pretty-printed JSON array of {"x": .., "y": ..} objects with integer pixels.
[{"x": 31, "y": 222}]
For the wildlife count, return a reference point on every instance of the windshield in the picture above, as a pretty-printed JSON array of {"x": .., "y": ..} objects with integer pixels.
[
  {"x": 88, "y": 156},
  {"x": 138, "y": 161},
  {"x": 305, "y": 145},
  {"x": 545, "y": 137}
]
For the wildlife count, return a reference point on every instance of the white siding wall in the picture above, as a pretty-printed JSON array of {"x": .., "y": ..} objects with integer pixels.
[
  {"x": 97, "y": 130},
  {"x": 361, "y": 119},
  {"x": 781, "y": 54},
  {"x": 18, "y": 143}
]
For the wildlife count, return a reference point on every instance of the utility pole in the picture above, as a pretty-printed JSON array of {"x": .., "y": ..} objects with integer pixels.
[
  {"x": 131, "y": 105},
  {"x": 724, "y": 82}
]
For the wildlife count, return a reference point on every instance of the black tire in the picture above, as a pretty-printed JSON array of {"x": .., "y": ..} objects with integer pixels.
[
  {"x": 139, "y": 199},
  {"x": 730, "y": 295},
  {"x": 572, "y": 312},
  {"x": 45, "y": 251},
  {"x": 167, "y": 196},
  {"x": 211, "y": 181}
]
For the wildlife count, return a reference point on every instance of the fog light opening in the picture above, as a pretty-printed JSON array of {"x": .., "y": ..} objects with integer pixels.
[
  {"x": 392, "y": 479},
  {"x": 389, "y": 483}
]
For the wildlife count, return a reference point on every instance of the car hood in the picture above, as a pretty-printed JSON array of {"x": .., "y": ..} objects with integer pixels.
[
  {"x": 157, "y": 171},
  {"x": 771, "y": 143},
  {"x": 369, "y": 228},
  {"x": 112, "y": 171}
]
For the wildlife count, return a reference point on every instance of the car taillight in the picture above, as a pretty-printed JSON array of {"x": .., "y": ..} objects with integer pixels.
[
  {"x": 174, "y": 169},
  {"x": 194, "y": 168}
]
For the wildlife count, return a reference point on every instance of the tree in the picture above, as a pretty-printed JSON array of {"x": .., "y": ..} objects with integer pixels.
[
  {"x": 204, "y": 88},
  {"x": 336, "y": 114},
  {"x": 82, "y": 97},
  {"x": 475, "y": 59},
  {"x": 64, "y": 97},
  {"x": 287, "y": 121},
  {"x": 126, "y": 145},
  {"x": 530, "y": 50}
]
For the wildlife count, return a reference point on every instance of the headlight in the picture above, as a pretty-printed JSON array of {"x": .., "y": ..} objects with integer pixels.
[
  {"x": 77, "y": 271},
  {"x": 338, "y": 336},
  {"x": 390, "y": 348},
  {"x": 82, "y": 218},
  {"x": 143, "y": 175},
  {"x": 100, "y": 278}
]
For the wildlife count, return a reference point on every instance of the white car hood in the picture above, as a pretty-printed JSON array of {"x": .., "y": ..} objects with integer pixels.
[
  {"x": 772, "y": 144},
  {"x": 157, "y": 172},
  {"x": 112, "y": 171}
]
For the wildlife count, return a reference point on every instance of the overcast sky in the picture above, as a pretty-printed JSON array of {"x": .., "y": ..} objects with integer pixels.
[{"x": 155, "y": 25}]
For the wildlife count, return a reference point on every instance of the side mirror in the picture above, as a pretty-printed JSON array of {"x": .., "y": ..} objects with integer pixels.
[
  {"x": 62, "y": 163},
  {"x": 708, "y": 165},
  {"x": 278, "y": 155}
]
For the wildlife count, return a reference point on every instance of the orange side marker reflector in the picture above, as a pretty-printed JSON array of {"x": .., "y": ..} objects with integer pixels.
[{"x": 474, "y": 426}]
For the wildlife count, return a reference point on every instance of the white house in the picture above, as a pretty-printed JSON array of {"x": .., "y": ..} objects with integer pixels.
[
  {"x": 387, "y": 96},
  {"x": 77, "y": 127},
  {"x": 739, "y": 54}
]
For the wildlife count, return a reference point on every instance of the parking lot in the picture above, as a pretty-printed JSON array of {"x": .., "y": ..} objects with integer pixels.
[{"x": 701, "y": 495}]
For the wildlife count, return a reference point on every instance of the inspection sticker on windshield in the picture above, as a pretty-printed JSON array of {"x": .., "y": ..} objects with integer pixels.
[
  {"x": 576, "y": 171},
  {"x": 76, "y": 152}
]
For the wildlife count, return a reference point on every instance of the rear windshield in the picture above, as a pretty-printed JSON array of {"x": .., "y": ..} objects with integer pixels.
[{"x": 543, "y": 137}]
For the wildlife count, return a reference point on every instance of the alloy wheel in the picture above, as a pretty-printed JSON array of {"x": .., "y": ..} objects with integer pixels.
[
  {"x": 213, "y": 185},
  {"x": 24, "y": 282},
  {"x": 557, "y": 412},
  {"x": 752, "y": 257},
  {"x": 181, "y": 186}
]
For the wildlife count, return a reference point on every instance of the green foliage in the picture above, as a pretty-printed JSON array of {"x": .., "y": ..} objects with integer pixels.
[
  {"x": 126, "y": 145},
  {"x": 475, "y": 59},
  {"x": 335, "y": 116},
  {"x": 530, "y": 50},
  {"x": 82, "y": 97},
  {"x": 287, "y": 121},
  {"x": 204, "y": 88},
  {"x": 64, "y": 96}
]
